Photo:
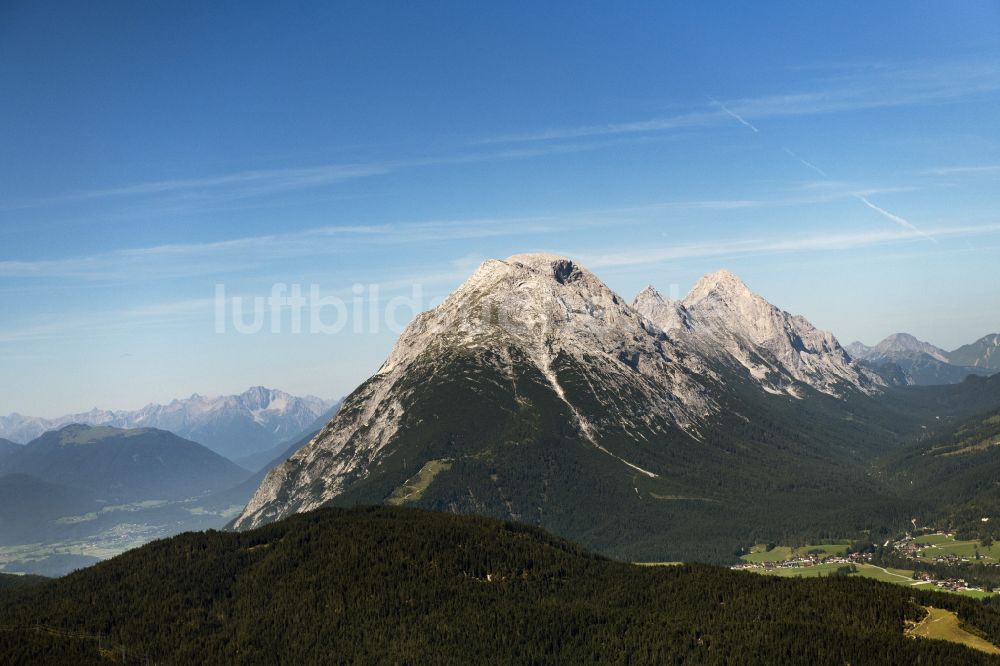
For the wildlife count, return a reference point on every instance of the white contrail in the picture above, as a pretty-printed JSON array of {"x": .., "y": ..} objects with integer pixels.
[
  {"x": 895, "y": 218},
  {"x": 806, "y": 163},
  {"x": 903, "y": 222},
  {"x": 735, "y": 115}
]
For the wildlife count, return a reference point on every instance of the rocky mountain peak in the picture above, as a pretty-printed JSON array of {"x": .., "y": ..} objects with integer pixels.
[
  {"x": 650, "y": 294},
  {"x": 666, "y": 314},
  {"x": 725, "y": 320},
  {"x": 721, "y": 284},
  {"x": 540, "y": 302},
  {"x": 905, "y": 343},
  {"x": 858, "y": 349},
  {"x": 563, "y": 270},
  {"x": 536, "y": 315}
]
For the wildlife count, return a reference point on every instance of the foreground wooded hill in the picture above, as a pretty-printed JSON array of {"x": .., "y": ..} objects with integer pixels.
[{"x": 391, "y": 585}]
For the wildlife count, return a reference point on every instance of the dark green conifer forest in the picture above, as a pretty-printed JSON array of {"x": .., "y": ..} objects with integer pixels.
[{"x": 391, "y": 585}]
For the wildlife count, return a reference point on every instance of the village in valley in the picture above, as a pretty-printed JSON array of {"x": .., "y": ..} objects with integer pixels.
[{"x": 925, "y": 552}]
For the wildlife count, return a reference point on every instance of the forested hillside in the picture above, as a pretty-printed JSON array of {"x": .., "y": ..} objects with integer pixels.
[
  {"x": 954, "y": 468},
  {"x": 390, "y": 585}
]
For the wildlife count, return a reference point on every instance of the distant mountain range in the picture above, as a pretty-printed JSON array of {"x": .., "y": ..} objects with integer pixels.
[
  {"x": 78, "y": 494},
  {"x": 902, "y": 359},
  {"x": 264, "y": 460},
  {"x": 234, "y": 426}
]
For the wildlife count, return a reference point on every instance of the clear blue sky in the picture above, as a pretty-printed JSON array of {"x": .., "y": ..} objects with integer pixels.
[{"x": 845, "y": 161}]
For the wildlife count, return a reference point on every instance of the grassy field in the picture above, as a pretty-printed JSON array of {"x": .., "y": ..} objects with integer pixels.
[
  {"x": 759, "y": 553},
  {"x": 886, "y": 575},
  {"x": 944, "y": 625},
  {"x": 975, "y": 594},
  {"x": 932, "y": 539},
  {"x": 802, "y": 572},
  {"x": 938, "y": 545},
  {"x": 901, "y": 576},
  {"x": 415, "y": 486}
]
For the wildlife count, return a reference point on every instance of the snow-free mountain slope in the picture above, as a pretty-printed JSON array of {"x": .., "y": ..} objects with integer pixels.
[
  {"x": 983, "y": 353},
  {"x": 723, "y": 319},
  {"x": 532, "y": 324}
]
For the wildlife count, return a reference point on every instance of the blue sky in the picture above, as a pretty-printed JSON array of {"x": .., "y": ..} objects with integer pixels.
[{"x": 844, "y": 161}]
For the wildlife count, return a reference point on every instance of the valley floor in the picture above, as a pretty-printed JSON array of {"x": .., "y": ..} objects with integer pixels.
[
  {"x": 97, "y": 536},
  {"x": 833, "y": 560}
]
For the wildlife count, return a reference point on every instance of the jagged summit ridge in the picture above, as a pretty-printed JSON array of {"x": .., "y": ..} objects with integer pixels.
[
  {"x": 668, "y": 315},
  {"x": 545, "y": 304},
  {"x": 722, "y": 317}
]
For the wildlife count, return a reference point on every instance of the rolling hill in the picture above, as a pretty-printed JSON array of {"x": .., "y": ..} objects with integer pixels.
[{"x": 123, "y": 465}]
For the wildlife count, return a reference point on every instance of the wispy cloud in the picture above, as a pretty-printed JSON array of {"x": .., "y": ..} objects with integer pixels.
[
  {"x": 267, "y": 180},
  {"x": 855, "y": 89},
  {"x": 149, "y": 315},
  {"x": 158, "y": 315},
  {"x": 184, "y": 193},
  {"x": 760, "y": 246},
  {"x": 249, "y": 253},
  {"x": 963, "y": 170},
  {"x": 675, "y": 122}
]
